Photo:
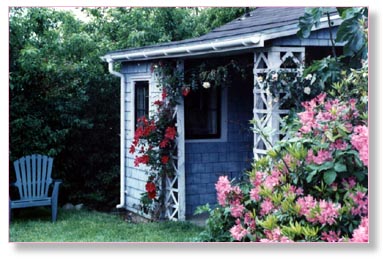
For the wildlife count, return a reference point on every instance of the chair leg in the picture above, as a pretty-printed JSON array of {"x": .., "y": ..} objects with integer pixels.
[
  {"x": 54, "y": 210},
  {"x": 10, "y": 212}
]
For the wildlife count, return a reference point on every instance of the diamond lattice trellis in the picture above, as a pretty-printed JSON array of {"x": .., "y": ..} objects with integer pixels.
[
  {"x": 174, "y": 200},
  {"x": 268, "y": 110}
]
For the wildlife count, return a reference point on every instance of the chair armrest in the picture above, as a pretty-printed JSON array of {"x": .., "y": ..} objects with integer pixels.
[
  {"x": 57, "y": 181},
  {"x": 56, "y": 187}
]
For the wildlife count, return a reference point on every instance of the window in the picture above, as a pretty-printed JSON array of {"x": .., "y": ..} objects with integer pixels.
[
  {"x": 203, "y": 114},
  {"x": 141, "y": 100}
]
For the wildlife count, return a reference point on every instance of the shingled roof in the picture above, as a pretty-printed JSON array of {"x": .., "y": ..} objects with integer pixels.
[{"x": 248, "y": 31}]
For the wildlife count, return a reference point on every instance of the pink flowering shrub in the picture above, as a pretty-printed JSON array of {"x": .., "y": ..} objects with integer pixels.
[
  {"x": 312, "y": 187},
  {"x": 360, "y": 141}
]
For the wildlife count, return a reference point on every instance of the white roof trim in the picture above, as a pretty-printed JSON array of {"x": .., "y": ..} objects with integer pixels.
[{"x": 189, "y": 50}]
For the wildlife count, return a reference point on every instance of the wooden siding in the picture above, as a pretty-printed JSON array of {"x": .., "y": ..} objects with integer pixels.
[{"x": 135, "y": 177}]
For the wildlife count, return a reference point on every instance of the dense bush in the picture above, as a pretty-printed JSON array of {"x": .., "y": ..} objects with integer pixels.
[
  {"x": 311, "y": 187},
  {"x": 62, "y": 100}
]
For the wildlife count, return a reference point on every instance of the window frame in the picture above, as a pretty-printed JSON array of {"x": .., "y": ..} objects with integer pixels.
[
  {"x": 147, "y": 105},
  {"x": 223, "y": 92}
]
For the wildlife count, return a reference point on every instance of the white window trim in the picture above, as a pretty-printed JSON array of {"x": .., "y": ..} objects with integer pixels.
[
  {"x": 223, "y": 138},
  {"x": 133, "y": 101}
]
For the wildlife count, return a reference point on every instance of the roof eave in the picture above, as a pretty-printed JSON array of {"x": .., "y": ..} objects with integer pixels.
[{"x": 217, "y": 46}]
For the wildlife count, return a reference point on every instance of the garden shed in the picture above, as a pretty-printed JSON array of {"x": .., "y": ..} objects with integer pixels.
[{"x": 214, "y": 136}]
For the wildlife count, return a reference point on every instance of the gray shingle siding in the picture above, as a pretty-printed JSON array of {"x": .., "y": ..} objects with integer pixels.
[{"x": 206, "y": 161}]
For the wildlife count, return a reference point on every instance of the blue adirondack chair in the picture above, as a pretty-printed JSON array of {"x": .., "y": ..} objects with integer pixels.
[{"x": 34, "y": 183}]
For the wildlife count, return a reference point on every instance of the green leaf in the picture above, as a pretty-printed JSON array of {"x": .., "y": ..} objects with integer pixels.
[
  {"x": 340, "y": 167},
  {"x": 310, "y": 176},
  {"x": 352, "y": 34},
  {"x": 326, "y": 166},
  {"x": 360, "y": 175},
  {"x": 308, "y": 20},
  {"x": 329, "y": 177}
]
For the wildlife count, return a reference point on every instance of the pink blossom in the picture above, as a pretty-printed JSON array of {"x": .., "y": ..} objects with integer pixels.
[
  {"x": 331, "y": 236},
  {"x": 324, "y": 116},
  {"x": 236, "y": 193},
  {"x": 308, "y": 121},
  {"x": 275, "y": 235},
  {"x": 349, "y": 183},
  {"x": 328, "y": 212},
  {"x": 299, "y": 191},
  {"x": 306, "y": 204},
  {"x": 294, "y": 190},
  {"x": 361, "y": 203},
  {"x": 272, "y": 180},
  {"x": 323, "y": 212},
  {"x": 250, "y": 221},
  {"x": 310, "y": 156},
  {"x": 223, "y": 188},
  {"x": 266, "y": 207},
  {"x": 361, "y": 233},
  {"x": 320, "y": 98},
  {"x": 238, "y": 231},
  {"x": 236, "y": 209},
  {"x": 339, "y": 144},
  {"x": 322, "y": 157},
  {"x": 360, "y": 141},
  {"x": 254, "y": 194},
  {"x": 257, "y": 180}
]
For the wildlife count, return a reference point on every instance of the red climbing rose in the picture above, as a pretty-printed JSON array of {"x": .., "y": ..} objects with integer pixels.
[{"x": 151, "y": 189}]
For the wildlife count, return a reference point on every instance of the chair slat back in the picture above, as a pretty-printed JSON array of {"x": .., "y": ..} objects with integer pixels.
[{"x": 33, "y": 176}]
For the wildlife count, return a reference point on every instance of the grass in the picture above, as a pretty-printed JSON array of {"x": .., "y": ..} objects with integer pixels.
[{"x": 92, "y": 226}]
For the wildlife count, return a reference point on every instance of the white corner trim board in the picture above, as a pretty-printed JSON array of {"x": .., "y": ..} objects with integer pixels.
[{"x": 122, "y": 133}]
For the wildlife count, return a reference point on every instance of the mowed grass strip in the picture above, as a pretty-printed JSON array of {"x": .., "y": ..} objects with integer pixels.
[{"x": 92, "y": 226}]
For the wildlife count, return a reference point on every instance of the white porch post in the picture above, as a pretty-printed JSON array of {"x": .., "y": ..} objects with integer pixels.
[{"x": 181, "y": 152}]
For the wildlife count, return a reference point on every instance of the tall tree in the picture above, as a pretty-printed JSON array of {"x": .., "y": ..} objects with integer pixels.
[{"x": 64, "y": 103}]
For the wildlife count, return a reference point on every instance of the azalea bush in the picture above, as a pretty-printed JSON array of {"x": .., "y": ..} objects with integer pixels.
[{"x": 312, "y": 187}]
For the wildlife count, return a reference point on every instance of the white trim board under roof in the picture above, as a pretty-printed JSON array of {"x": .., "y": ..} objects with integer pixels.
[{"x": 246, "y": 32}]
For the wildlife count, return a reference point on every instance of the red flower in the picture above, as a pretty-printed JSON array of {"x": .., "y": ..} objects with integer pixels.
[
  {"x": 170, "y": 133},
  {"x": 164, "y": 94},
  {"x": 151, "y": 189},
  {"x": 158, "y": 103},
  {"x": 141, "y": 159},
  {"x": 165, "y": 159},
  {"x": 132, "y": 149},
  {"x": 185, "y": 91},
  {"x": 164, "y": 143}
]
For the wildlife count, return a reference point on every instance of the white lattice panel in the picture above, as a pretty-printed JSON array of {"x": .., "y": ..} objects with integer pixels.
[{"x": 267, "y": 109}]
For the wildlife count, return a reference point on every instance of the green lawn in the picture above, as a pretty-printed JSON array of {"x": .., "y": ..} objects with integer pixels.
[{"x": 91, "y": 226}]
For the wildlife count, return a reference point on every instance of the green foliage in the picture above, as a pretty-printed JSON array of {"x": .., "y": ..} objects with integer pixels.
[
  {"x": 310, "y": 19},
  {"x": 353, "y": 32},
  {"x": 60, "y": 104},
  {"x": 62, "y": 100},
  {"x": 311, "y": 187},
  {"x": 210, "y": 18},
  {"x": 217, "y": 224}
]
